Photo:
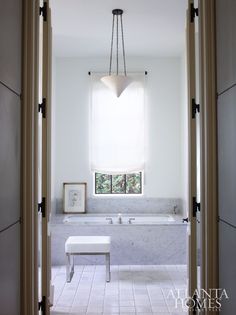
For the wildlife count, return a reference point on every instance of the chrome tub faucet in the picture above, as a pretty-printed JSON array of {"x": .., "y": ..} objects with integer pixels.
[
  {"x": 110, "y": 220},
  {"x": 175, "y": 209},
  {"x": 130, "y": 220},
  {"x": 119, "y": 218}
]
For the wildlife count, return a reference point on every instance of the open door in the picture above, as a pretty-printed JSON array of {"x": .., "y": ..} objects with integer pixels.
[
  {"x": 193, "y": 109},
  {"x": 44, "y": 127}
]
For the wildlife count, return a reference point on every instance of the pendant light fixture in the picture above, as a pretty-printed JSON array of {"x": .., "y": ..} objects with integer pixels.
[{"x": 117, "y": 82}]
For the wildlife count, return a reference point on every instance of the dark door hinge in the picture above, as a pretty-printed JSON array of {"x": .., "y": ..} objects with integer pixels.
[
  {"x": 42, "y": 207},
  {"x": 193, "y": 12},
  {"x": 185, "y": 220},
  {"x": 42, "y": 107},
  {"x": 43, "y": 11},
  {"x": 42, "y": 305},
  {"x": 196, "y": 206},
  {"x": 195, "y": 108}
]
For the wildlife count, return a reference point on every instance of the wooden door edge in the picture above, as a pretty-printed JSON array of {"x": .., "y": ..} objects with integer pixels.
[
  {"x": 29, "y": 255},
  {"x": 209, "y": 199}
]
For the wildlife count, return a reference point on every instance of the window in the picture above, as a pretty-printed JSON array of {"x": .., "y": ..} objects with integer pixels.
[{"x": 118, "y": 184}]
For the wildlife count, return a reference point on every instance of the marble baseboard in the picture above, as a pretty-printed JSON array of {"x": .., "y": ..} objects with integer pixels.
[
  {"x": 136, "y": 245},
  {"x": 129, "y": 205}
]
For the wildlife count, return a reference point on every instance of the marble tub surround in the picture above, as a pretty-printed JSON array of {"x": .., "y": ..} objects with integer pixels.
[
  {"x": 130, "y": 244},
  {"x": 143, "y": 244},
  {"x": 128, "y": 204}
]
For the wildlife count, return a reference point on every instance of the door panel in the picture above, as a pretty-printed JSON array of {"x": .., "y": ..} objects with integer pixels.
[
  {"x": 39, "y": 158},
  {"x": 46, "y": 155},
  {"x": 198, "y": 155},
  {"x": 10, "y": 39},
  {"x": 10, "y": 271},
  {"x": 226, "y": 155},
  {"x": 192, "y": 230},
  {"x": 226, "y": 43},
  {"x": 227, "y": 263},
  {"x": 10, "y": 109}
]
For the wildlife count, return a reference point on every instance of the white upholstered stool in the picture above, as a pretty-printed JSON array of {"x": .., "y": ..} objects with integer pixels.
[{"x": 87, "y": 245}]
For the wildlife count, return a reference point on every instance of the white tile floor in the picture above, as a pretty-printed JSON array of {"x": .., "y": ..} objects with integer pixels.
[{"x": 133, "y": 290}]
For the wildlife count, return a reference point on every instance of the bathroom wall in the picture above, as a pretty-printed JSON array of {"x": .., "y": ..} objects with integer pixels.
[{"x": 164, "y": 180}]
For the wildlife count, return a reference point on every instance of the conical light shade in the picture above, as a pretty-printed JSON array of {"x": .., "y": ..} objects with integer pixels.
[{"x": 116, "y": 83}]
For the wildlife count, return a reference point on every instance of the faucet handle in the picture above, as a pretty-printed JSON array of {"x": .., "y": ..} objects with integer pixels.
[
  {"x": 110, "y": 220},
  {"x": 131, "y": 219}
]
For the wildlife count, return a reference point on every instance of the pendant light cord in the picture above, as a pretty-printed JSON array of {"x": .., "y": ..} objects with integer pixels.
[
  {"x": 117, "y": 45},
  {"x": 112, "y": 35},
  {"x": 123, "y": 44}
]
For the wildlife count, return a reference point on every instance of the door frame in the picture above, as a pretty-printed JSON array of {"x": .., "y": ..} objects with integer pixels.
[
  {"x": 192, "y": 150},
  {"x": 209, "y": 213},
  {"x": 29, "y": 190},
  {"x": 208, "y": 101}
]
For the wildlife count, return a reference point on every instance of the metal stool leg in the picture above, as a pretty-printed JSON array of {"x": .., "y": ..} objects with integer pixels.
[
  {"x": 73, "y": 264},
  {"x": 69, "y": 268},
  {"x": 108, "y": 271}
]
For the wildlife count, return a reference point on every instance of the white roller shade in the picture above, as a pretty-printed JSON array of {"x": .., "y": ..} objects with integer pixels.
[{"x": 117, "y": 128}]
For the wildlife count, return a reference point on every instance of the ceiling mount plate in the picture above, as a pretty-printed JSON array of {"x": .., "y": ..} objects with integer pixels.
[{"x": 117, "y": 12}]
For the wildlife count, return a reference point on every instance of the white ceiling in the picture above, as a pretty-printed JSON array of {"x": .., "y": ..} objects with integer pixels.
[{"x": 82, "y": 28}]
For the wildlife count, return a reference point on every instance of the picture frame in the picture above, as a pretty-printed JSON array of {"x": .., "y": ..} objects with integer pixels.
[{"x": 74, "y": 197}]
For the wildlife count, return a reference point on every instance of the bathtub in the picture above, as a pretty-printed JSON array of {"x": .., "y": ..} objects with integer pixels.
[
  {"x": 119, "y": 219},
  {"x": 150, "y": 239}
]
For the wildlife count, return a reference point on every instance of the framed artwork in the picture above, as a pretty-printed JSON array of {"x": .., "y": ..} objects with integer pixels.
[{"x": 74, "y": 197}]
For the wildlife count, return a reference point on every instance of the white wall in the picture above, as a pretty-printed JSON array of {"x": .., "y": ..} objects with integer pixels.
[{"x": 164, "y": 175}]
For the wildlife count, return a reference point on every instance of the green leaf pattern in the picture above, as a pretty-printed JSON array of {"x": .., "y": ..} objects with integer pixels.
[{"x": 118, "y": 184}]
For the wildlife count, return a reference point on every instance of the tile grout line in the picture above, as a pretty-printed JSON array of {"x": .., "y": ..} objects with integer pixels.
[
  {"x": 104, "y": 296},
  {"x": 118, "y": 267},
  {"x": 133, "y": 292},
  {"x": 62, "y": 267},
  {"x": 77, "y": 288},
  {"x": 149, "y": 297},
  {"x": 126, "y": 281},
  {"x": 173, "y": 285},
  {"x": 52, "y": 280},
  {"x": 90, "y": 292}
]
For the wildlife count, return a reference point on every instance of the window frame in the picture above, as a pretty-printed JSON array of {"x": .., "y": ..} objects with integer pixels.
[{"x": 110, "y": 194}]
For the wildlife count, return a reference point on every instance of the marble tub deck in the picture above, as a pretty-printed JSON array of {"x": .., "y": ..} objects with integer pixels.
[{"x": 134, "y": 289}]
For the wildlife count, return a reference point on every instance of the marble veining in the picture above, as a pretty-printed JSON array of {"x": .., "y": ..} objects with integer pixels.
[
  {"x": 138, "y": 244},
  {"x": 127, "y": 204}
]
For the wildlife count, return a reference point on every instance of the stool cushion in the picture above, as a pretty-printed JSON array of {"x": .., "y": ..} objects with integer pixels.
[{"x": 87, "y": 244}]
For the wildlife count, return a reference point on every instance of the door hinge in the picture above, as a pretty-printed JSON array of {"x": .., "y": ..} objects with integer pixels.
[
  {"x": 42, "y": 107},
  {"x": 43, "y": 11},
  {"x": 196, "y": 206},
  {"x": 195, "y": 108},
  {"x": 185, "y": 220},
  {"x": 193, "y": 12},
  {"x": 42, "y": 207},
  {"x": 42, "y": 305}
]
